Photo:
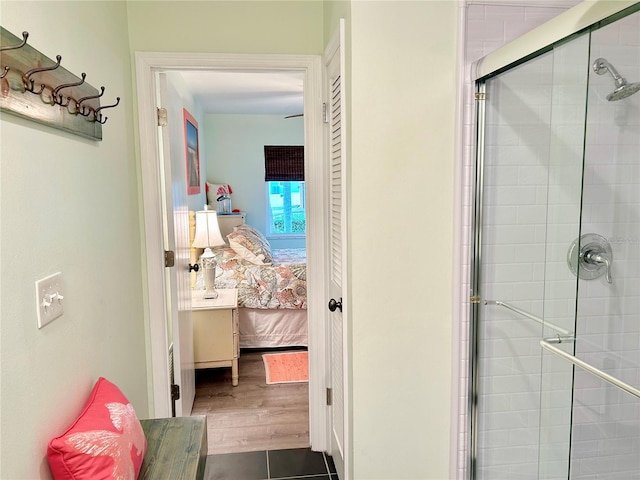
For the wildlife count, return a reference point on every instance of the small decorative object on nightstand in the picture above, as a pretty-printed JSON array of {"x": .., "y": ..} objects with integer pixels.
[{"x": 215, "y": 331}]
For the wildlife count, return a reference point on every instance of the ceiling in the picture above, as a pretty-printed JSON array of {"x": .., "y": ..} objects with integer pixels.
[{"x": 249, "y": 93}]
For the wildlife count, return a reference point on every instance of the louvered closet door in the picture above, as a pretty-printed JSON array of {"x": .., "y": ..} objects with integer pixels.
[{"x": 337, "y": 260}]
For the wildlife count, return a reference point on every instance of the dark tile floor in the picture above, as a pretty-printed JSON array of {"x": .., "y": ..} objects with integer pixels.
[{"x": 291, "y": 464}]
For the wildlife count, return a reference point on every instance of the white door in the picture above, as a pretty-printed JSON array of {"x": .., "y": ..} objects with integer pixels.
[
  {"x": 334, "y": 95},
  {"x": 176, "y": 232}
]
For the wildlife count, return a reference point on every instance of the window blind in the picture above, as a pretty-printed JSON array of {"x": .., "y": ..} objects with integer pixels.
[{"x": 284, "y": 163}]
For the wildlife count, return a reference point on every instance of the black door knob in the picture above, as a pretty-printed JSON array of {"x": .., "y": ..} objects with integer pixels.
[
  {"x": 194, "y": 268},
  {"x": 333, "y": 304}
]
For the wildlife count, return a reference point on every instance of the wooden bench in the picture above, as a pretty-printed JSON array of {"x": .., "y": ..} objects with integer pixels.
[{"x": 176, "y": 448}]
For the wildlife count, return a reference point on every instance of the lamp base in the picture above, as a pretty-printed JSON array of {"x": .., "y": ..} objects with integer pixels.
[
  {"x": 209, "y": 274},
  {"x": 208, "y": 295}
]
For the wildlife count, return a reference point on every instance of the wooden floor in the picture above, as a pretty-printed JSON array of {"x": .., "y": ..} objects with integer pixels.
[{"x": 253, "y": 416}]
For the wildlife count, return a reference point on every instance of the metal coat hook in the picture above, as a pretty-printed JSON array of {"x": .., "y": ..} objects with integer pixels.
[
  {"x": 57, "y": 98},
  {"x": 52, "y": 85},
  {"x": 30, "y": 83},
  {"x": 25, "y": 35},
  {"x": 98, "y": 115},
  {"x": 84, "y": 99},
  {"x": 71, "y": 101}
]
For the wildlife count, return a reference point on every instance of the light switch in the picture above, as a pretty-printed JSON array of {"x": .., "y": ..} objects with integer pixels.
[{"x": 49, "y": 298}]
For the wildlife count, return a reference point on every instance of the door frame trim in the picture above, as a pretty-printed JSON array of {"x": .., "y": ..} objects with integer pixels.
[{"x": 147, "y": 63}]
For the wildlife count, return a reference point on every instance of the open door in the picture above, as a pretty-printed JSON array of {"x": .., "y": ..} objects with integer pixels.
[
  {"x": 337, "y": 264},
  {"x": 152, "y": 169},
  {"x": 176, "y": 240}
]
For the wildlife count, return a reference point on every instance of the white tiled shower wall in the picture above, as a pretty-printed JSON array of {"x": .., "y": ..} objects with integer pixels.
[{"x": 605, "y": 421}]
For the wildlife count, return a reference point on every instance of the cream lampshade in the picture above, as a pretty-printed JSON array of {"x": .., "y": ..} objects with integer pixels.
[{"x": 208, "y": 235}]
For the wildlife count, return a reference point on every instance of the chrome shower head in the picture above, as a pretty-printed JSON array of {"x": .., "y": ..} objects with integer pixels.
[{"x": 623, "y": 89}]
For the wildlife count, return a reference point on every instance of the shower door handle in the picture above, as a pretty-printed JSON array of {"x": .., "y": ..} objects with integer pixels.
[{"x": 590, "y": 368}]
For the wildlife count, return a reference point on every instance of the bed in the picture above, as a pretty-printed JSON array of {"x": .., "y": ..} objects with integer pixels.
[{"x": 272, "y": 287}]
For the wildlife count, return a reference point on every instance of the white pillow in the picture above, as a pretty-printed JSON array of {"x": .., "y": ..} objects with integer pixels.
[{"x": 212, "y": 195}]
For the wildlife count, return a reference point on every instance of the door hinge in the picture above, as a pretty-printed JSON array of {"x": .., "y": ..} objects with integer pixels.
[
  {"x": 329, "y": 396},
  {"x": 169, "y": 258},
  {"x": 474, "y": 299},
  {"x": 325, "y": 113},
  {"x": 162, "y": 117},
  {"x": 480, "y": 96},
  {"x": 175, "y": 392}
]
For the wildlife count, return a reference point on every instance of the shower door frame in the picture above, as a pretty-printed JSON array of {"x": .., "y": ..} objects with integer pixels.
[
  {"x": 607, "y": 17},
  {"x": 474, "y": 300}
]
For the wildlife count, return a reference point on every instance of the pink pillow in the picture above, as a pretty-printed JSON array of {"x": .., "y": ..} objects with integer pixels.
[{"x": 105, "y": 442}]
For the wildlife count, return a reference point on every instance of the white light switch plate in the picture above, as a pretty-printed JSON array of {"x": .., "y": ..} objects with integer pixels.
[{"x": 49, "y": 298}]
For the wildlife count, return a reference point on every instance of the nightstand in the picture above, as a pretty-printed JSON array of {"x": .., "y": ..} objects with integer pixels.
[
  {"x": 215, "y": 331},
  {"x": 228, "y": 221}
]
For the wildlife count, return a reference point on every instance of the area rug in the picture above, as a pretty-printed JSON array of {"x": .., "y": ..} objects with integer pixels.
[{"x": 286, "y": 367}]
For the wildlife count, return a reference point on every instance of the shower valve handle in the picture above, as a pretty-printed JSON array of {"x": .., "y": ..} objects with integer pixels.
[
  {"x": 590, "y": 256},
  {"x": 598, "y": 258}
]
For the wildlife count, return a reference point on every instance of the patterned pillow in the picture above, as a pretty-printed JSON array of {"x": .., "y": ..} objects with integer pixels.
[
  {"x": 106, "y": 441},
  {"x": 248, "y": 228},
  {"x": 250, "y": 247}
]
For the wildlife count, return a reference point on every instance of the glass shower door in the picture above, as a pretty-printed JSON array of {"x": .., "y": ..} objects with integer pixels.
[
  {"x": 532, "y": 176},
  {"x": 557, "y": 263},
  {"x": 605, "y": 439},
  {"x": 564, "y": 209}
]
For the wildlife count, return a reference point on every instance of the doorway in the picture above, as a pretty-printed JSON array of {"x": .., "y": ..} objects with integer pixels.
[
  {"x": 147, "y": 65},
  {"x": 239, "y": 114}
]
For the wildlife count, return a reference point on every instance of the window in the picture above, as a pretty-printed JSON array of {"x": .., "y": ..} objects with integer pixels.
[
  {"x": 284, "y": 177},
  {"x": 286, "y": 208}
]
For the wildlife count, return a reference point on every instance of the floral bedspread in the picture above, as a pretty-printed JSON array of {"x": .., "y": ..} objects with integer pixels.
[{"x": 280, "y": 285}]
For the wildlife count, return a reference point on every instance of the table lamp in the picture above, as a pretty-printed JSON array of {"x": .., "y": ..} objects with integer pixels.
[{"x": 208, "y": 235}]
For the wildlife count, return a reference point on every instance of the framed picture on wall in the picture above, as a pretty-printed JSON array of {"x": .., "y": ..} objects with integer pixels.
[{"x": 192, "y": 153}]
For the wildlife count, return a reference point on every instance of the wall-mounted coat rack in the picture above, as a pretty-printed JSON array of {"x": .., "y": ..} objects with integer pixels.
[{"x": 35, "y": 87}]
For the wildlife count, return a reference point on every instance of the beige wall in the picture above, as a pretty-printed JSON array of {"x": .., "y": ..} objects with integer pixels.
[
  {"x": 292, "y": 27},
  {"x": 402, "y": 119},
  {"x": 333, "y": 12},
  {"x": 68, "y": 204}
]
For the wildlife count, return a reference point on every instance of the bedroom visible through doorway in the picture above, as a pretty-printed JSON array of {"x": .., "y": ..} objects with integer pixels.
[
  {"x": 148, "y": 64},
  {"x": 239, "y": 113}
]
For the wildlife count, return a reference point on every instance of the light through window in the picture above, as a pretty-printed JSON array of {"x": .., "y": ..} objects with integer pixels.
[{"x": 286, "y": 208}]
